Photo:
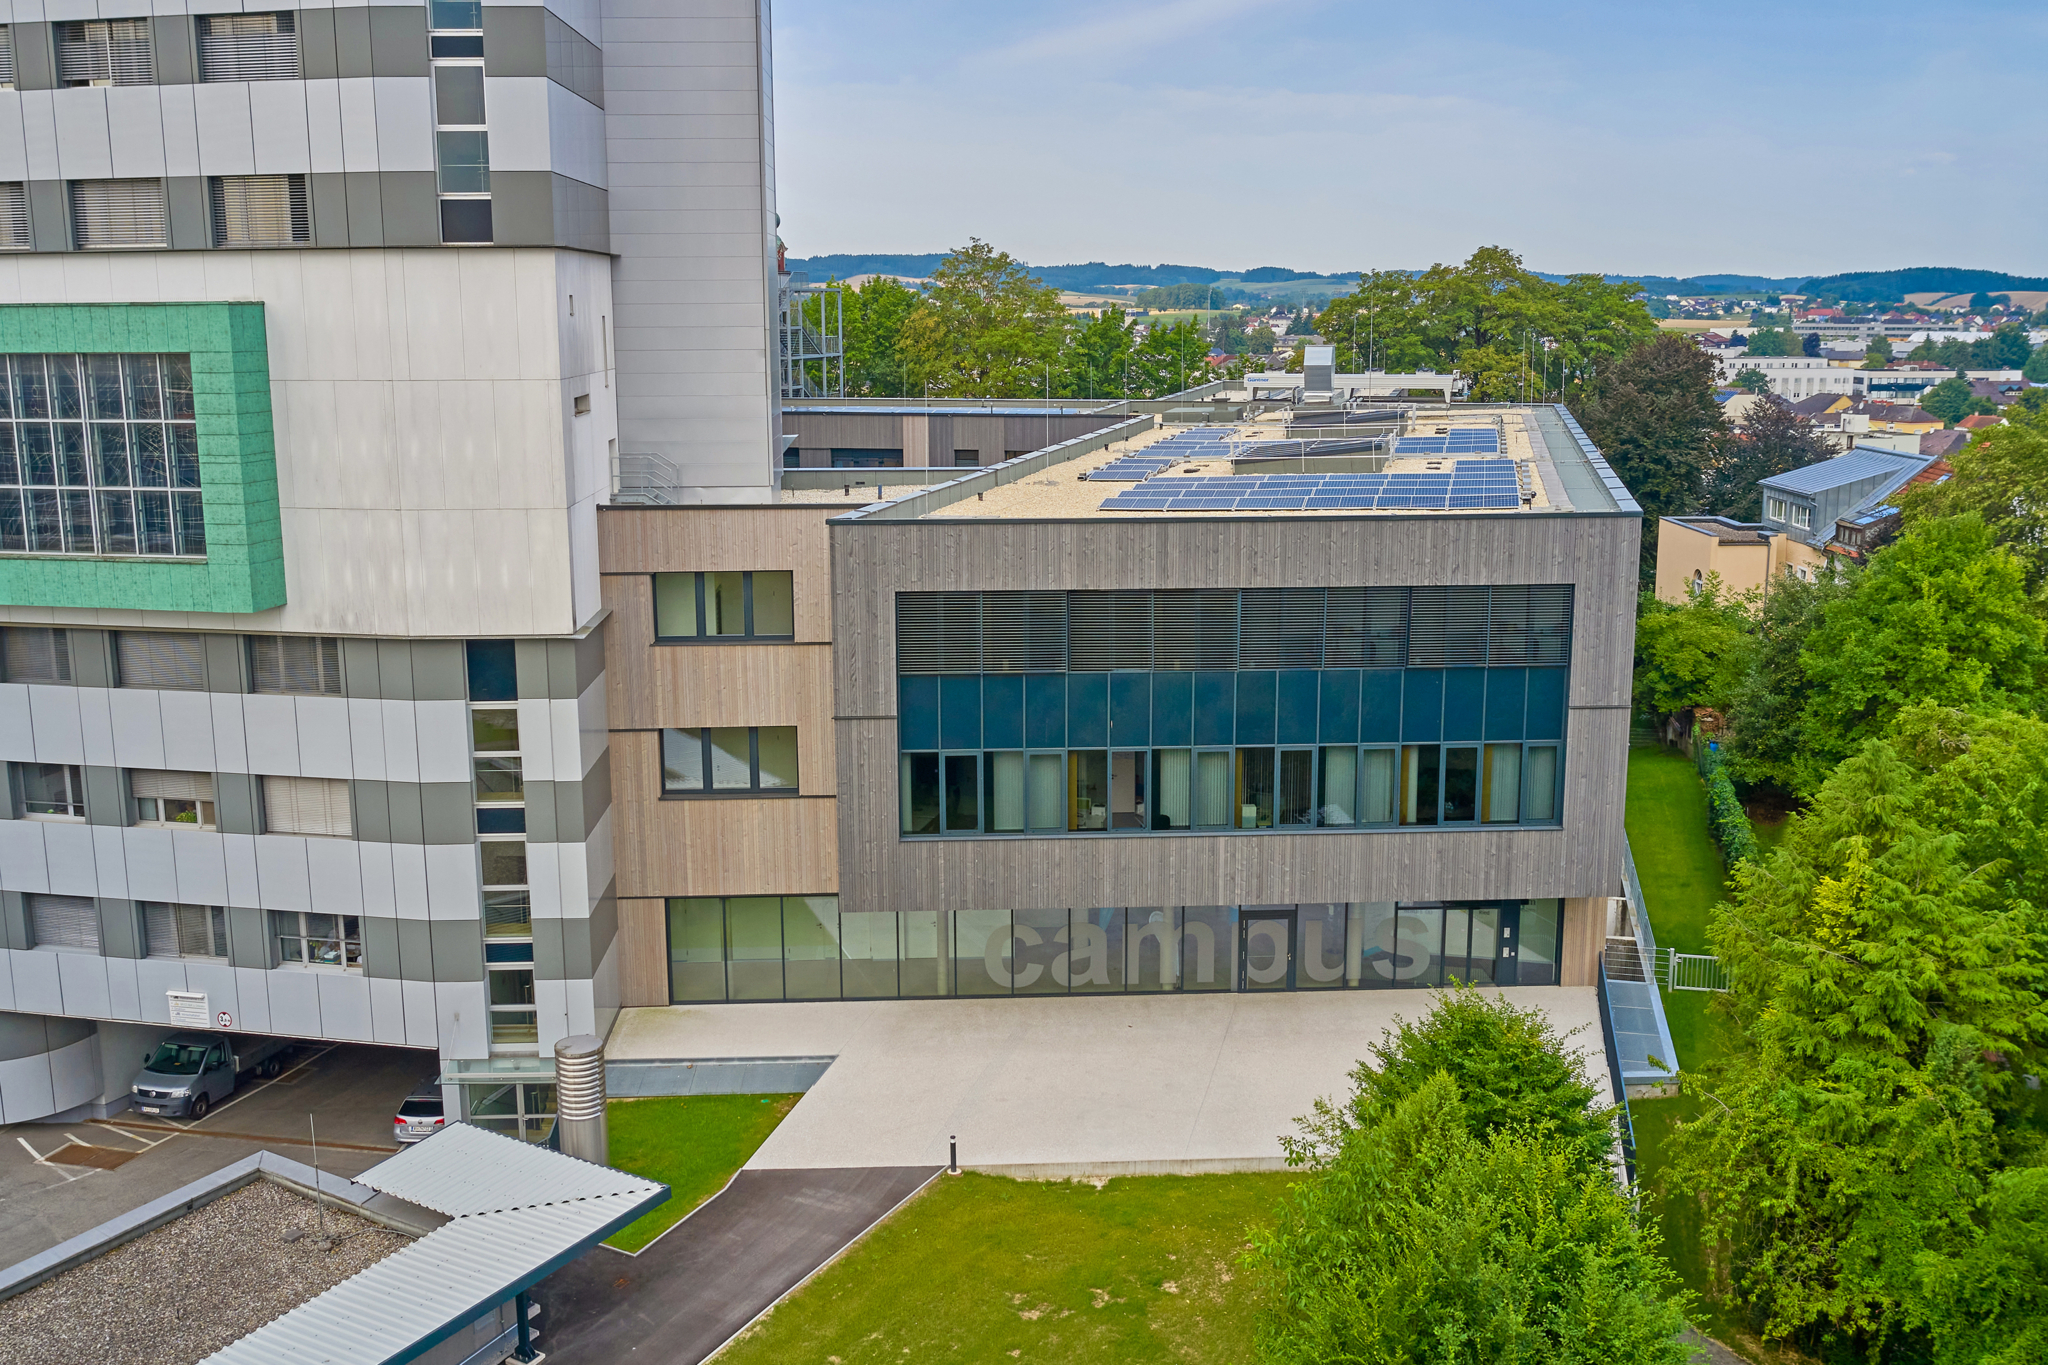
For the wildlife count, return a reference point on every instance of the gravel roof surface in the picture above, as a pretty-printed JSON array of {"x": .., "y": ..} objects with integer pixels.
[{"x": 181, "y": 1292}]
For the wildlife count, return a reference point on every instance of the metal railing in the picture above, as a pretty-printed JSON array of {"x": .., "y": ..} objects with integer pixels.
[
  {"x": 646, "y": 480},
  {"x": 1627, "y": 1125},
  {"x": 1689, "y": 971}
]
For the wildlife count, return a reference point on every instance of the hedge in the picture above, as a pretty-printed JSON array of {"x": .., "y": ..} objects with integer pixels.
[{"x": 1725, "y": 816}]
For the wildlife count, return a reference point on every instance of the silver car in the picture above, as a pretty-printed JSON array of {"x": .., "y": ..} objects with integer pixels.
[{"x": 420, "y": 1115}]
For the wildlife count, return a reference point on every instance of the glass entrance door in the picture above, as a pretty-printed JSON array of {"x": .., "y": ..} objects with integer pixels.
[{"x": 1265, "y": 949}]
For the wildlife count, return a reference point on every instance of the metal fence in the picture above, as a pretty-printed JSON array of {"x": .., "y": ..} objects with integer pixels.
[{"x": 1690, "y": 971}]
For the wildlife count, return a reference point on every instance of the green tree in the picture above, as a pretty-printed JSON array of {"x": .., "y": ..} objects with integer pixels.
[
  {"x": 1878, "y": 354},
  {"x": 2001, "y": 477},
  {"x": 873, "y": 318},
  {"x": 1949, "y": 400},
  {"x": 989, "y": 328},
  {"x": 1773, "y": 341},
  {"x": 1418, "y": 1242},
  {"x": 1773, "y": 439},
  {"x": 1766, "y": 733},
  {"x": 1692, "y": 654},
  {"x": 1753, "y": 380},
  {"x": 1099, "y": 363},
  {"x": 1170, "y": 359},
  {"x": 2007, "y": 348},
  {"x": 1885, "y": 998},
  {"x": 2035, "y": 370},
  {"x": 1653, "y": 415},
  {"x": 1942, "y": 615}
]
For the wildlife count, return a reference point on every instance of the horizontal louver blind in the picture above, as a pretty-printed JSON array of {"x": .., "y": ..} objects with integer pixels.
[
  {"x": 260, "y": 210},
  {"x": 1550, "y": 624},
  {"x": 307, "y": 805},
  {"x": 1107, "y": 630},
  {"x": 1447, "y": 627},
  {"x": 64, "y": 922},
  {"x": 161, "y": 660},
  {"x": 1281, "y": 628},
  {"x": 105, "y": 51},
  {"x": 1024, "y": 632},
  {"x": 13, "y": 216},
  {"x": 38, "y": 654},
  {"x": 938, "y": 632},
  {"x": 170, "y": 786},
  {"x": 7, "y": 55},
  {"x": 115, "y": 213},
  {"x": 1367, "y": 628},
  {"x": 1194, "y": 629},
  {"x": 185, "y": 930},
  {"x": 248, "y": 47},
  {"x": 307, "y": 665}
]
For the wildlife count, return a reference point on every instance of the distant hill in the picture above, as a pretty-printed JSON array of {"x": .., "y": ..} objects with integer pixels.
[
  {"x": 1879, "y": 286},
  {"x": 1089, "y": 275}
]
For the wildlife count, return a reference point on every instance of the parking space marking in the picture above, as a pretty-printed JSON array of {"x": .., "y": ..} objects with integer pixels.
[
  {"x": 186, "y": 1130},
  {"x": 46, "y": 1164}
]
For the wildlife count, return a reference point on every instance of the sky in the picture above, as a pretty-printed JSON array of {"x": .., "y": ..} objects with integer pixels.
[{"x": 1665, "y": 137}]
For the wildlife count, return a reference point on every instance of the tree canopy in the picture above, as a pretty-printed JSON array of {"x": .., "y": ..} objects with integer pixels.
[
  {"x": 1773, "y": 439},
  {"x": 2001, "y": 477},
  {"x": 1695, "y": 654}
]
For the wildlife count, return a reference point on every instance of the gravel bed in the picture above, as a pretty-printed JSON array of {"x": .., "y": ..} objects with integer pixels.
[{"x": 181, "y": 1292}]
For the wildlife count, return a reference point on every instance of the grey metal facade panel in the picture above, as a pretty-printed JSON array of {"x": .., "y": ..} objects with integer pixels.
[
  {"x": 176, "y": 53},
  {"x": 548, "y": 956},
  {"x": 411, "y": 208},
  {"x": 364, "y": 191},
  {"x": 595, "y": 794},
  {"x": 589, "y": 658},
  {"x": 408, "y": 819},
  {"x": 585, "y": 951},
  {"x": 316, "y": 44},
  {"x": 250, "y": 943},
  {"x": 458, "y": 949},
  {"x": 415, "y": 950},
  {"x": 106, "y": 796},
  {"x": 380, "y": 947},
  {"x": 35, "y": 57},
  {"x": 540, "y": 814},
  {"x": 238, "y": 802},
  {"x": 448, "y": 813},
  {"x": 879, "y": 870},
  {"x": 14, "y": 932},
  {"x": 530, "y": 668},
  {"x": 515, "y": 40},
  {"x": 360, "y": 670},
  {"x": 369, "y": 804},
  {"x": 440, "y": 671},
  {"x": 327, "y": 192},
  {"x": 120, "y": 929},
  {"x": 352, "y": 42},
  {"x": 573, "y": 61},
  {"x": 49, "y": 216},
  {"x": 92, "y": 658},
  {"x": 398, "y": 40},
  {"x": 190, "y": 228},
  {"x": 227, "y": 663},
  {"x": 30, "y": 1035},
  {"x": 583, "y": 215}
]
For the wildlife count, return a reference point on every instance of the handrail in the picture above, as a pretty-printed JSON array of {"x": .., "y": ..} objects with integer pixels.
[{"x": 915, "y": 505}]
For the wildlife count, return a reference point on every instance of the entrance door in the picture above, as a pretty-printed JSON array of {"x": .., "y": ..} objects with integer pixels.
[{"x": 1265, "y": 949}]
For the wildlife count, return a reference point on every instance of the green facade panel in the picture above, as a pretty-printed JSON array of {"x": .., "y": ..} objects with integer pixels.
[{"x": 244, "y": 566}]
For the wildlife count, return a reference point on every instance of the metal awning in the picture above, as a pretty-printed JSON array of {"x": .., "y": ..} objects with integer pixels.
[{"x": 519, "y": 1213}]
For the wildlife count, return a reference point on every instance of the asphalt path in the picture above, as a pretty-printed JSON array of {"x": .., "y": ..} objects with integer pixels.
[{"x": 710, "y": 1275}]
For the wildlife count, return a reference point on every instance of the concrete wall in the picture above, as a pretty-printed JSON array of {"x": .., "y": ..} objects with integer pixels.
[{"x": 879, "y": 870}]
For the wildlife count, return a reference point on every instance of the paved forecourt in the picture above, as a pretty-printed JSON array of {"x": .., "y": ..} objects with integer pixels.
[{"x": 1076, "y": 1085}]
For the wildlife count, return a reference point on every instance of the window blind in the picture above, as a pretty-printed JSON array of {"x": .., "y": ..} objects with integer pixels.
[
  {"x": 248, "y": 47},
  {"x": 64, "y": 922},
  {"x": 13, "y": 215},
  {"x": 118, "y": 213},
  {"x": 161, "y": 660},
  {"x": 7, "y": 55},
  {"x": 185, "y": 930},
  {"x": 307, "y": 805},
  {"x": 1282, "y": 628},
  {"x": 156, "y": 784},
  {"x": 38, "y": 654},
  {"x": 105, "y": 52},
  {"x": 308, "y": 665},
  {"x": 260, "y": 210},
  {"x": 1195, "y": 629},
  {"x": 1108, "y": 630}
]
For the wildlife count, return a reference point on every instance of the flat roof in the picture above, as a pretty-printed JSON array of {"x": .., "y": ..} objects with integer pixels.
[{"x": 1445, "y": 460}]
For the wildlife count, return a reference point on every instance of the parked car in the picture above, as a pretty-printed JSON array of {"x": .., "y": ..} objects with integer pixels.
[
  {"x": 188, "y": 1072},
  {"x": 420, "y": 1115}
]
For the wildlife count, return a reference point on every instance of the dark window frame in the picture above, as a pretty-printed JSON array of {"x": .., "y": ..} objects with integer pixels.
[
  {"x": 749, "y": 636},
  {"x": 754, "y": 790}
]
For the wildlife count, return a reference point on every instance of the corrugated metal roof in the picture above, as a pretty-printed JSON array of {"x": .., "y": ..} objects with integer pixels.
[
  {"x": 464, "y": 1170},
  {"x": 520, "y": 1213},
  {"x": 1858, "y": 464}
]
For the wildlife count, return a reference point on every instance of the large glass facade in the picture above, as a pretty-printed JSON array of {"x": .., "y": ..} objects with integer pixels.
[
  {"x": 801, "y": 948},
  {"x": 1285, "y": 750}
]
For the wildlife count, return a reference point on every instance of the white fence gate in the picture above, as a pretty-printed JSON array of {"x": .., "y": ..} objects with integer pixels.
[{"x": 1690, "y": 971}]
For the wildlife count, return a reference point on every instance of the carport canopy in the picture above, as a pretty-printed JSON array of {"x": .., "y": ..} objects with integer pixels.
[{"x": 517, "y": 1214}]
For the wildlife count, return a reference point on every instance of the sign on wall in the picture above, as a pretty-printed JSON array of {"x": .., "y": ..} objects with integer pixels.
[{"x": 189, "y": 1009}]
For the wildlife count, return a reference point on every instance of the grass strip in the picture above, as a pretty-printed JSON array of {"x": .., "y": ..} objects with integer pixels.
[{"x": 692, "y": 1143}]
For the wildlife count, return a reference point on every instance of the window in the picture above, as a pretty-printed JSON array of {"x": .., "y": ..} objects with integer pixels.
[
  {"x": 38, "y": 654},
  {"x": 13, "y": 216},
  {"x": 119, "y": 213},
  {"x": 301, "y": 665},
  {"x": 248, "y": 47},
  {"x": 185, "y": 930},
  {"x": 51, "y": 791},
  {"x": 309, "y": 940},
  {"x": 260, "y": 210},
  {"x": 867, "y": 459},
  {"x": 963, "y": 458},
  {"x": 6, "y": 56},
  {"x": 1802, "y": 516},
  {"x": 729, "y": 760},
  {"x": 499, "y": 771},
  {"x": 757, "y": 605},
  {"x": 172, "y": 798},
  {"x": 160, "y": 659},
  {"x": 307, "y": 805},
  {"x": 99, "y": 455},
  {"x": 63, "y": 923},
  {"x": 105, "y": 52},
  {"x": 462, "y": 144},
  {"x": 1774, "y": 509}
]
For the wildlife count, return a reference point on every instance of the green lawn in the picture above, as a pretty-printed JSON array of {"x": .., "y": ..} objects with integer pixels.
[
  {"x": 1675, "y": 855},
  {"x": 691, "y": 1143},
  {"x": 979, "y": 1268}
]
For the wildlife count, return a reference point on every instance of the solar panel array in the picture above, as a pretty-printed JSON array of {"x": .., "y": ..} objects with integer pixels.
[
  {"x": 1468, "y": 485},
  {"x": 1196, "y": 443},
  {"x": 1456, "y": 441}
]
